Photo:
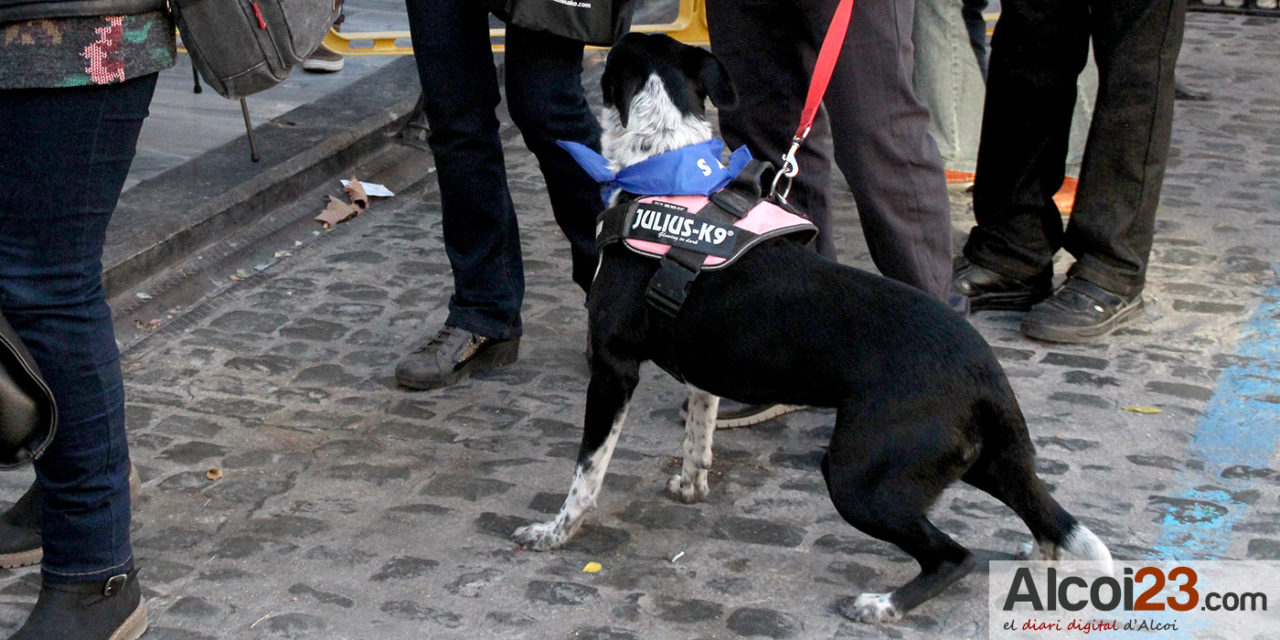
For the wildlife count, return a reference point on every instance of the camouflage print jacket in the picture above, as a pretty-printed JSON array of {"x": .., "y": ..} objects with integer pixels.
[{"x": 72, "y": 52}]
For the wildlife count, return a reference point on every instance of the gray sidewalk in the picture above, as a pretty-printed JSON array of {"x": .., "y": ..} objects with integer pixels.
[{"x": 345, "y": 508}]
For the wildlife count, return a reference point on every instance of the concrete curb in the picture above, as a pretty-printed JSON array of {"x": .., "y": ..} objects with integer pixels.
[{"x": 163, "y": 220}]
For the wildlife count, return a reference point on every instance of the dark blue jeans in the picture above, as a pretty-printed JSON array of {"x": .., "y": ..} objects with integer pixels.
[
  {"x": 1038, "y": 49},
  {"x": 65, "y": 154},
  {"x": 547, "y": 102}
]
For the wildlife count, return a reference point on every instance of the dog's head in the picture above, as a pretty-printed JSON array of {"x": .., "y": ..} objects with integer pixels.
[{"x": 655, "y": 90}]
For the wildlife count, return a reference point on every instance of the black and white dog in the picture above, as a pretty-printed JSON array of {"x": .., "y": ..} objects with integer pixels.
[{"x": 920, "y": 399}]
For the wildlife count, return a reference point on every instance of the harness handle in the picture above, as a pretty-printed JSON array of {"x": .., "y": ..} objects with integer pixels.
[{"x": 822, "y": 70}]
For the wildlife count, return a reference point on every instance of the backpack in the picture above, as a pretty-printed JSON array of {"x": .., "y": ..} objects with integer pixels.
[{"x": 241, "y": 47}]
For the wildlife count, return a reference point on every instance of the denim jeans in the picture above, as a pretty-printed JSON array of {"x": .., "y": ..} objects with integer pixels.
[
  {"x": 1038, "y": 52},
  {"x": 66, "y": 154},
  {"x": 547, "y": 102},
  {"x": 949, "y": 79},
  {"x": 872, "y": 125}
]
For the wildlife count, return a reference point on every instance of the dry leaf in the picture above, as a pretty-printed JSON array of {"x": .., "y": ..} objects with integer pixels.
[
  {"x": 337, "y": 212},
  {"x": 592, "y": 567},
  {"x": 1140, "y": 409},
  {"x": 355, "y": 193},
  {"x": 213, "y": 474}
]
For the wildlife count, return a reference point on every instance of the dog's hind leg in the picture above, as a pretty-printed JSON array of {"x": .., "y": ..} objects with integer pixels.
[
  {"x": 1006, "y": 470},
  {"x": 883, "y": 481},
  {"x": 608, "y": 396},
  {"x": 690, "y": 485}
]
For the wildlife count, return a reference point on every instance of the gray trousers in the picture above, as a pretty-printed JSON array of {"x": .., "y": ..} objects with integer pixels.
[{"x": 873, "y": 125}]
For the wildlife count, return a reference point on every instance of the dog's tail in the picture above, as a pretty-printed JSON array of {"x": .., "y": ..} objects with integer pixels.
[{"x": 1006, "y": 469}]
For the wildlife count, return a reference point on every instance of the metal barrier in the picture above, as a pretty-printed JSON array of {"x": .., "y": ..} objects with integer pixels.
[{"x": 690, "y": 27}]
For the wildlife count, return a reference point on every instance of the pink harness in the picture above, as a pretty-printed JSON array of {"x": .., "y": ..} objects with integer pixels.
[
  {"x": 690, "y": 233},
  {"x": 764, "y": 221}
]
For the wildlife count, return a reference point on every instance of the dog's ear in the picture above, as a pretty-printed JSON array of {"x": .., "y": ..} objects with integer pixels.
[
  {"x": 623, "y": 78},
  {"x": 711, "y": 77}
]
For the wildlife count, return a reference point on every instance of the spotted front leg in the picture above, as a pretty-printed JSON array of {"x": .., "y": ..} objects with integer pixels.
[
  {"x": 587, "y": 479},
  {"x": 690, "y": 485}
]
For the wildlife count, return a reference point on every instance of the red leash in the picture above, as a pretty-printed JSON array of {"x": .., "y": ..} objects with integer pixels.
[{"x": 822, "y": 70}]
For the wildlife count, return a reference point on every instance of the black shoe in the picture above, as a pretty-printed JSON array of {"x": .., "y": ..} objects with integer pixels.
[
  {"x": 736, "y": 414},
  {"x": 1080, "y": 311},
  {"x": 110, "y": 609},
  {"x": 451, "y": 354},
  {"x": 988, "y": 290},
  {"x": 20, "y": 543}
]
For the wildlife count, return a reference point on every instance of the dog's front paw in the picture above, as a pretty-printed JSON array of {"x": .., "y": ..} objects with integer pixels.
[
  {"x": 689, "y": 490},
  {"x": 871, "y": 608},
  {"x": 540, "y": 536}
]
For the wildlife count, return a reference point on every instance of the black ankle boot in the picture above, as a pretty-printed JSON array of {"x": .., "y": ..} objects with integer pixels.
[
  {"x": 110, "y": 609},
  {"x": 20, "y": 531}
]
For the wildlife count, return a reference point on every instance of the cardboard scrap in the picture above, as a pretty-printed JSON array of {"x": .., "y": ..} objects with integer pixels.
[
  {"x": 337, "y": 211},
  {"x": 355, "y": 192}
]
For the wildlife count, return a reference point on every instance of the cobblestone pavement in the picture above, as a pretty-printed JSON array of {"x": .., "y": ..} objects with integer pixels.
[{"x": 348, "y": 508}]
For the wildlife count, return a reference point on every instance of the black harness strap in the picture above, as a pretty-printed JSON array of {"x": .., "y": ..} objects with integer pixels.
[{"x": 669, "y": 287}]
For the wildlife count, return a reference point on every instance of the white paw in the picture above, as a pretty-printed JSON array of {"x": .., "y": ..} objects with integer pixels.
[
  {"x": 689, "y": 490},
  {"x": 1048, "y": 552},
  {"x": 540, "y": 536},
  {"x": 871, "y": 608}
]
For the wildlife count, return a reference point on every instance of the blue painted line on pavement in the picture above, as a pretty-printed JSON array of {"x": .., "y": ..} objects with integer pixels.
[{"x": 1240, "y": 426}]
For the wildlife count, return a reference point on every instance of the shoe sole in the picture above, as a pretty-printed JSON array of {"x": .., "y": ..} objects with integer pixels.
[
  {"x": 323, "y": 66},
  {"x": 776, "y": 410},
  {"x": 18, "y": 559},
  {"x": 1077, "y": 335},
  {"x": 734, "y": 422},
  {"x": 134, "y": 626},
  {"x": 492, "y": 358}
]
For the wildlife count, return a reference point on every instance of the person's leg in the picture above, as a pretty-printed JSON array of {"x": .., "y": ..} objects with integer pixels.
[
  {"x": 1110, "y": 232},
  {"x": 1037, "y": 52},
  {"x": 769, "y": 53},
  {"x": 1136, "y": 43},
  {"x": 949, "y": 81},
  {"x": 883, "y": 148},
  {"x": 460, "y": 88},
  {"x": 67, "y": 153},
  {"x": 975, "y": 23},
  {"x": 548, "y": 103}
]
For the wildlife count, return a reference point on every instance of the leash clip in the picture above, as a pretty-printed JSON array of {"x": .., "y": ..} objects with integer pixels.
[{"x": 790, "y": 168}]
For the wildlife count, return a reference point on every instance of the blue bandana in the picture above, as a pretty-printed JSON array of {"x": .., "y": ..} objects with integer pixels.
[{"x": 694, "y": 170}]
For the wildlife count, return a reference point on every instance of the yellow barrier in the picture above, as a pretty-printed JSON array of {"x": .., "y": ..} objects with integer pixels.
[{"x": 690, "y": 27}]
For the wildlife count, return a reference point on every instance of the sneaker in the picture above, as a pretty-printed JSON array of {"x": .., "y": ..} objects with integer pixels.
[
  {"x": 1080, "y": 311},
  {"x": 451, "y": 354},
  {"x": 20, "y": 541},
  {"x": 322, "y": 60},
  {"x": 111, "y": 609},
  {"x": 736, "y": 414},
  {"x": 988, "y": 290}
]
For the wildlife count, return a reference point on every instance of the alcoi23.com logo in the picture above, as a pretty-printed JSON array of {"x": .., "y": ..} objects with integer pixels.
[{"x": 1040, "y": 599}]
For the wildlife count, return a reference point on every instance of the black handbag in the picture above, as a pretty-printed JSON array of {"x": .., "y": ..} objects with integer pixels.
[
  {"x": 28, "y": 415},
  {"x": 598, "y": 22}
]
